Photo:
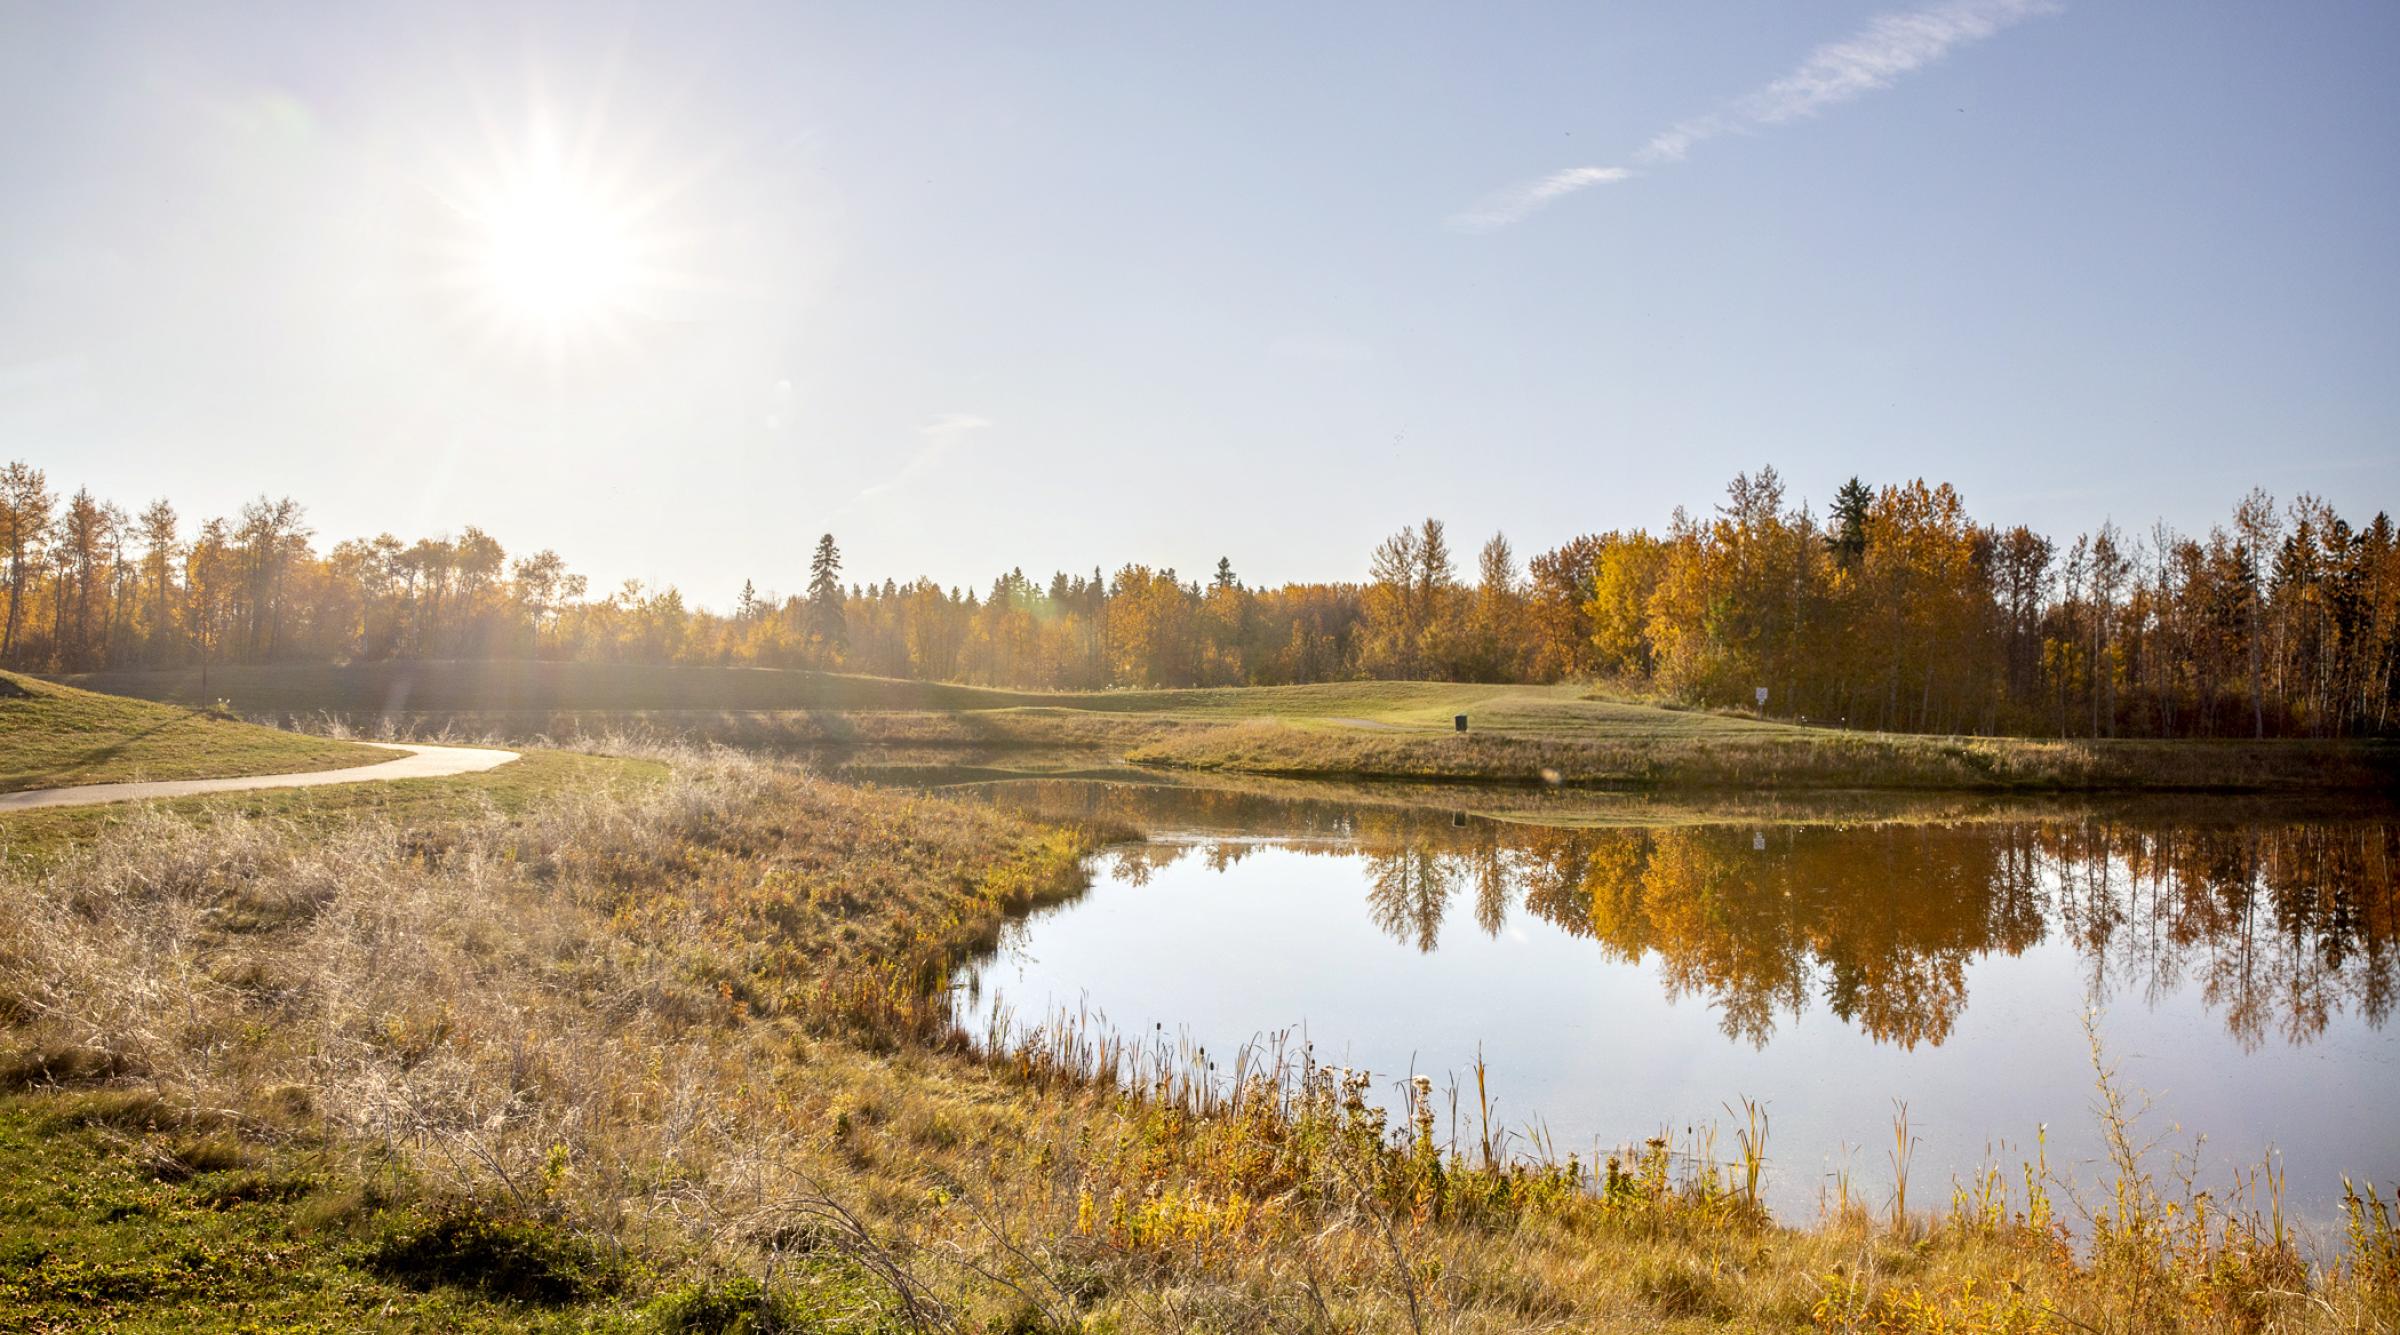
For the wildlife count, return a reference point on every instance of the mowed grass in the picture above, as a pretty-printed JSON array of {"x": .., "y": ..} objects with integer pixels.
[
  {"x": 56, "y": 736},
  {"x": 447, "y": 686},
  {"x": 1333, "y": 730},
  {"x": 524, "y": 687},
  {"x": 508, "y": 790}
]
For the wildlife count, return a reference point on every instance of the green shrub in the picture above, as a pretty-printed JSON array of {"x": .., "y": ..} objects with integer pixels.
[{"x": 723, "y": 1307}]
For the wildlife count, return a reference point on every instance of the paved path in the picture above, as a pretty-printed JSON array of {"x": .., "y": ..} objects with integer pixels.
[{"x": 419, "y": 762}]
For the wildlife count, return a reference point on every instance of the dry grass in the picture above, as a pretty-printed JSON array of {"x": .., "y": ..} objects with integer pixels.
[{"x": 692, "y": 1020}]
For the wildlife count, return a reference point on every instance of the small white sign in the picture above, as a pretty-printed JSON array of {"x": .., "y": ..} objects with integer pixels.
[{"x": 1762, "y": 697}]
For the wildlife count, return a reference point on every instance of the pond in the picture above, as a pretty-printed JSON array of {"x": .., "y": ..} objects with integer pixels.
[{"x": 2237, "y": 965}]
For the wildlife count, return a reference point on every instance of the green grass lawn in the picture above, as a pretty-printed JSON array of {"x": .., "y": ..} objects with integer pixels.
[
  {"x": 55, "y": 736},
  {"x": 517, "y": 686},
  {"x": 522, "y": 685},
  {"x": 1365, "y": 729},
  {"x": 510, "y": 789}
]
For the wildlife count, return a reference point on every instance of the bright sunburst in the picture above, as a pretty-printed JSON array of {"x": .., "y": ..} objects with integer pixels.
[{"x": 556, "y": 253}]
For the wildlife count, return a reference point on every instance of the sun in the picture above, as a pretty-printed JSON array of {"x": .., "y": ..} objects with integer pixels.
[{"x": 556, "y": 253}]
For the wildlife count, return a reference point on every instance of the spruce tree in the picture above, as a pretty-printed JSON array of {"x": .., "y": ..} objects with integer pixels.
[
  {"x": 825, "y": 621},
  {"x": 1848, "y": 537}
]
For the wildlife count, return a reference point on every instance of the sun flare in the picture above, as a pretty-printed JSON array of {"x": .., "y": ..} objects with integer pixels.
[
  {"x": 560, "y": 251},
  {"x": 556, "y": 253}
]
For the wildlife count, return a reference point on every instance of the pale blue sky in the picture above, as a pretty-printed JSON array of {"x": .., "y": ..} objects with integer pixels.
[{"x": 986, "y": 285}]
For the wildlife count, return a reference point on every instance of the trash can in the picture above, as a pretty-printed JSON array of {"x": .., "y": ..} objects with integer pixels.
[{"x": 1459, "y": 721}]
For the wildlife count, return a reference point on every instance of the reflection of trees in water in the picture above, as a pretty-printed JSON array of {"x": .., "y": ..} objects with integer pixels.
[
  {"x": 1408, "y": 891},
  {"x": 2281, "y": 925}
]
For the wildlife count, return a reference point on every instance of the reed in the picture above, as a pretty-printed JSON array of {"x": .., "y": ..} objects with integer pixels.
[
  {"x": 1904, "y": 1148},
  {"x": 1751, "y": 1140}
]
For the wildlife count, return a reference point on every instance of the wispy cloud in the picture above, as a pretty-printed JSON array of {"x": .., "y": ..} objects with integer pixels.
[
  {"x": 1872, "y": 58},
  {"x": 950, "y": 426},
  {"x": 1506, "y": 206},
  {"x": 941, "y": 435}
]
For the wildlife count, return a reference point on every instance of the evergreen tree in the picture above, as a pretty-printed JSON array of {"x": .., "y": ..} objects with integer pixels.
[
  {"x": 1225, "y": 578},
  {"x": 1848, "y": 537},
  {"x": 826, "y": 625}
]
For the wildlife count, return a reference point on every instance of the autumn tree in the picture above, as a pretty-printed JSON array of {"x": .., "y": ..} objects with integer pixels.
[
  {"x": 1495, "y": 646},
  {"x": 160, "y": 550},
  {"x": 545, "y": 587},
  {"x": 1625, "y": 575},
  {"x": 1558, "y": 589},
  {"x": 1900, "y": 611},
  {"x": 1150, "y": 628},
  {"x": 25, "y": 509},
  {"x": 1731, "y": 612},
  {"x": 1409, "y": 601},
  {"x": 210, "y": 573},
  {"x": 270, "y": 537}
]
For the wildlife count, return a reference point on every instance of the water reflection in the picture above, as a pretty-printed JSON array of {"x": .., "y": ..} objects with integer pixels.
[{"x": 2281, "y": 923}]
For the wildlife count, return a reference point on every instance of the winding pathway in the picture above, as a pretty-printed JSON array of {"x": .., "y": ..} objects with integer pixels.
[{"x": 419, "y": 762}]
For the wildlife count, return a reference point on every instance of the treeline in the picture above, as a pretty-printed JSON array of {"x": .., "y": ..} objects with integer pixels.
[{"x": 1895, "y": 611}]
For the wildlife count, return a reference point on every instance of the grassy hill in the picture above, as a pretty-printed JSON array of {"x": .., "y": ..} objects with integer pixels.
[
  {"x": 55, "y": 736},
  {"x": 1368, "y": 729},
  {"x": 517, "y": 686},
  {"x": 526, "y": 686}
]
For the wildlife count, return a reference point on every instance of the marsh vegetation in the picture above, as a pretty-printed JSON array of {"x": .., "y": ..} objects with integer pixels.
[{"x": 669, "y": 1037}]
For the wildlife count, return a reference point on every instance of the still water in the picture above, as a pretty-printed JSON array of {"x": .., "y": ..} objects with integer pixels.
[{"x": 2238, "y": 968}]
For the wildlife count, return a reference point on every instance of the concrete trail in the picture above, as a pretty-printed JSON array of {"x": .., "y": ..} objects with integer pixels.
[{"x": 419, "y": 762}]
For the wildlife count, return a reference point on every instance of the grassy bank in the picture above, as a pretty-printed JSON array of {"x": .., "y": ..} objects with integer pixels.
[
  {"x": 668, "y": 1051},
  {"x": 1810, "y": 760},
  {"x": 1341, "y": 730},
  {"x": 54, "y": 736}
]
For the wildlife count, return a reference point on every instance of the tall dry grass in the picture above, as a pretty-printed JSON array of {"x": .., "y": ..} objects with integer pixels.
[{"x": 700, "y": 1020}]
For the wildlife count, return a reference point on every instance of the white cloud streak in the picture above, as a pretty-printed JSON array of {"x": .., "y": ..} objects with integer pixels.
[
  {"x": 1507, "y": 206},
  {"x": 1873, "y": 58},
  {"x": 941, "y": 435},
  {"x": 948, "y": 426}
]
